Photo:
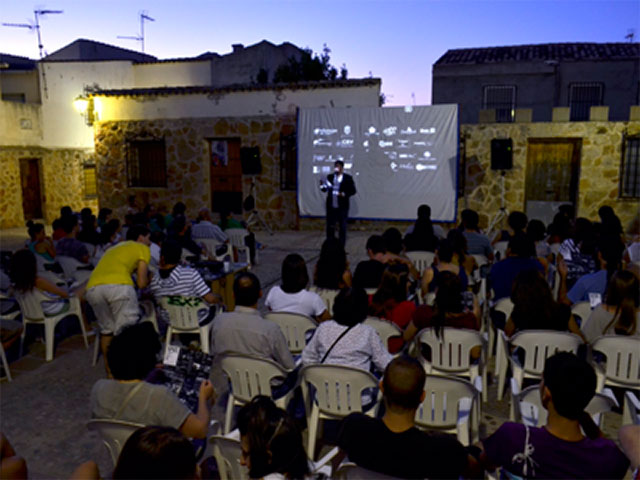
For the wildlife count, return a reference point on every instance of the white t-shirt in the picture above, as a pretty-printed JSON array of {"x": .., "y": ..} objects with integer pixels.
[{"x": 304, "y": 302}]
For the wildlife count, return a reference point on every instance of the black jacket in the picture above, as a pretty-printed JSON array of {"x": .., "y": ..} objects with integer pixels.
[{"x": 347, "y": 186}]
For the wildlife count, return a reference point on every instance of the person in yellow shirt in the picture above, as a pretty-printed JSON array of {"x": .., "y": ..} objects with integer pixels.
[{"x": 111, "y": 292}]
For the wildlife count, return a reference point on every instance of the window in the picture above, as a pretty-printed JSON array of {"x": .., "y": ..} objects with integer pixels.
[
  {"x": 630, "y": 168},
  {"x": 14, "y": 97},
  {"x": 146, "y": 163},
  {"x": 288, "y": 156},
  {"x": 583, "y": 96},
  {"x": 90, "y": 183},
  {"x": 502, "y": 99}
]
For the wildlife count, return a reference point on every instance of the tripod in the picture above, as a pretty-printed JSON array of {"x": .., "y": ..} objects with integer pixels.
[
  {"x": 503, "y": 212},
  {"x": 249, "y": 205}
]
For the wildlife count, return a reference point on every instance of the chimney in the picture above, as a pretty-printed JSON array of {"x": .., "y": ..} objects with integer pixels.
[{"x": 237, "y": 47}]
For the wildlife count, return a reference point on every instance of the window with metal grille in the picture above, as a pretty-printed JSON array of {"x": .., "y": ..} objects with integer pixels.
[
  {"x": 147, "y": 163},
  {"x": 583, "y": 96},
  {"x": 630, "y": 168},
  {"x": 90, "y": 183},
  {"x": 288, "y": 156},
  {"x": 502, "y": 99}
]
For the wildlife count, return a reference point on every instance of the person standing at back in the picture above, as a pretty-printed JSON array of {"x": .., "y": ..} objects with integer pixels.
[{"x": 339, "y": 187}]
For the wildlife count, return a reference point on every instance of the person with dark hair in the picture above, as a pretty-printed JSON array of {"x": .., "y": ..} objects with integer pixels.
[
  {"x": 70, "y": 246},
  {"x": 392, "y": 445},
  {"x": 518, "y": 259},
  {"x": 395, "y": 251},
  {"x": 110, "y": 290},
  {"x": 444, "y": 255},
  {"x": 110, "y": 233},
  {"x": 176, "y": 279},
  {"x": 559, "y": 449},
  {"x": 132, "y": 357},
  {"x": 517, "y": 222},
  {"x": 537, "y": 233},
  {"x": 449, "y": 309},
  {"x": 339, "y": 187},
  {"x": 421, "y": 235},
  {"x": 292, "y": 296},
  {"x": 558, "y": 229},
  {"x": 369, "y": 272},
  {"x": 345, "y": 340},
  {"x": 578, "y": 250},
  {"x": 40, "y": 244},
  {"x": 461, "y": 255},
  {"x": 271, "y": 442},
  {"x": 180, "y": 230},
  {"x": 104, "y": 215},
  {"x": 132, "y": 205},
  {"x": 89, "y": 233},
  {"x": 610, "y": 221},
  {"x": 619, "y": 313},
  {"x": 245, "y": 331},
  {"x": 535, "y": 309},
  {"x": 477, "y": 242},
  {"x": 332, "y": 269}
]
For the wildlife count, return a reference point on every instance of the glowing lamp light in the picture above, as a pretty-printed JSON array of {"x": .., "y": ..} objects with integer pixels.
[{"x": 81, "y": 104}]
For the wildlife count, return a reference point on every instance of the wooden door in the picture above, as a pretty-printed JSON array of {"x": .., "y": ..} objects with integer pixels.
[
  {"x": 30, "y": 182},
  {"x": 225, "y": 174},
  {"x": 552, "y": 175}
]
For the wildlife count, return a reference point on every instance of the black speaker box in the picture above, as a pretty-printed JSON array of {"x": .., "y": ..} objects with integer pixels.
[
  {"x": 501, "y": 154},
  {"x": 250, "y": 160}
]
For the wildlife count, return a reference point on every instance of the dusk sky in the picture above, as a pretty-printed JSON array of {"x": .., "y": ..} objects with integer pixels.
[{"x": 397, "y": 41}]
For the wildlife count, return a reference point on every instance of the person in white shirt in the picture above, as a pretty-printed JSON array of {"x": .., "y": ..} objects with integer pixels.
[{"x": 292, "y": 296}]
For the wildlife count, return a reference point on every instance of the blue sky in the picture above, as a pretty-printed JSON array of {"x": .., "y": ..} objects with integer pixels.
[{"x": 396, "y": 40}]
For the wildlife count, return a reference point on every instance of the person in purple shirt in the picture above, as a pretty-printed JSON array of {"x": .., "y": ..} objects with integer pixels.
[
  {"x": 518, "y": 259},
  {"x": 70, "y": 246},
  {"x": 559, "y": 449}
]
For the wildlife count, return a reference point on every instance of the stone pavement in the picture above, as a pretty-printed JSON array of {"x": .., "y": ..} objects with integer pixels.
[{"x": 44, "y": 410}]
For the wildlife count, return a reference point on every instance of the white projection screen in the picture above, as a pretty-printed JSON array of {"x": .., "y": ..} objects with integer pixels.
[{"x": 399, "y": 157}]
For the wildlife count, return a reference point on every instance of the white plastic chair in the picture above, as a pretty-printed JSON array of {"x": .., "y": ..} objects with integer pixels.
[
  {"x": 250, "y": 376},
  {"x": 450, "y": 405},
  {"x": 295, "y": 328},
  {"x": 582, "y": 310},
  {"x": 5, "y": 364},
  {"x": 114, "y": 434},
  {"x": 450, "y": 354},
  {"x": 385, "y": 328},
  {"x": 526, "y": 406},
  {"x": 236, "y": 238},
  {"x": 326, "y": 294},
  {"x": 630, "y": 409},
  {"x": 183, "y": 318},
  {"x": 505, "y": 306},
  {"x": 31, "y": 309},
  {"x": 421, "y": 259},
  {"x": 500, "y": 250},
  {"x": 227, "y": 451},
  {"x": 338, "y": 393},
  {"x": 212, "y": 245},
  {"x": 72, "y": 269},
  {"x": 538, "y": 345}
]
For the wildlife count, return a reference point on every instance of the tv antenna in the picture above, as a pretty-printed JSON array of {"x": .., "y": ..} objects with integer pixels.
[
  {"x": 631, "y": 33},
  {"x": 140, "y": 38}
]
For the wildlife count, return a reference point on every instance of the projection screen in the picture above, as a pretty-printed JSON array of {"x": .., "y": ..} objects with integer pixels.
[{"x": 399, "y": 157}]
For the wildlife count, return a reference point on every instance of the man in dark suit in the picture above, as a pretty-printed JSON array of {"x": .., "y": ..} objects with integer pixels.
[{"x": 339, "y": 187}]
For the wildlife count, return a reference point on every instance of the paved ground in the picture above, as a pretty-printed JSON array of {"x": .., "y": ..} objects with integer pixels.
[{"x": 44, "y": 410}]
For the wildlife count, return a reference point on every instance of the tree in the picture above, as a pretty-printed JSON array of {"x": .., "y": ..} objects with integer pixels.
[{"x": 309, "y": 67}]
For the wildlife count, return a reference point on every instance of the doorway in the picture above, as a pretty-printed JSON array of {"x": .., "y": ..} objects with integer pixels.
[
  {"x": 31, "y": 193},
  {"x": 225, "y": 174},
  {"x": 552, "y": 176}
]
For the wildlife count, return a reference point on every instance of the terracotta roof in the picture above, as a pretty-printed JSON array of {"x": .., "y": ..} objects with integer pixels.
[
  {"x": 134, "y": 92},
  {"x": 548, "y": 51}
]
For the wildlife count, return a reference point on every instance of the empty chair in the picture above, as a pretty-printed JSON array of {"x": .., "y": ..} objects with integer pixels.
[
  {"x": 450, "y": 354},
  {"x": 73, "y": 269},
  {"x": 631, "y": 409},
  {"x": 581, "y": 312},
  {"x": 337, "y": 392},
  {"x": 31, "y": 309},
  {"x": 236, "y": 238},
  {"x": 183, "y": 317},
  {"x": 526, "y": 406},
  {"x": 385, "y": 328},
  {"x": 228, "y": 451},
  {"x": 114, "y": 434},
  {"x": 326, "y": 294},
  {"x": 421, "y": 259},
  {"x": 450, "y": 405},
  {"x": 295, "y": 328},
  {"x": 250, "y": 376}
]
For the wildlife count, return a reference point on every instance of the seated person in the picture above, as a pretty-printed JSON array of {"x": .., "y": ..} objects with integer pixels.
[
  {"x": 559, "y": 449},
  {"x": 518, "y": 259},
  {"x": 271, "y": 442},
  {"x": 70, "y": 246},
  {"x": 619, "y": 313},
  {"x": 332, "y": 269},
  {"x": 205, "y": 228},
  {"x": 175, "y": 279},
  {"x": 369, "y": 272},
  {"x": 345, "y": 340},
  {"x": 40, "y": 244},
  {"x": 422, "y": 234},
  {"x": 477, "y": 243},
  {"x": 444, "y": 263},
  {"x": 132, "y": 357},
  {"x": 292, "y": 295},
  {"x": 395, "y": 251},
  {"x": 180, "y": 231},
  {"x": 578, "y": 251},
  {"x": 393, "y": 445}
]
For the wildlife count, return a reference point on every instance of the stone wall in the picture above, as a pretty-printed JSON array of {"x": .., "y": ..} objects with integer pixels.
[
  {"x": 599, "y": 166},
  {"x": 187, "y": 156},
  {"x": 61, "y": 182}
]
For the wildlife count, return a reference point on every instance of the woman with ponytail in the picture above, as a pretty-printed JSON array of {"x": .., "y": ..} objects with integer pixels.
[
  {"x": 40, "y": 244},
  {"x": 618, "y": 314}
]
